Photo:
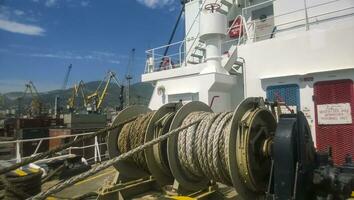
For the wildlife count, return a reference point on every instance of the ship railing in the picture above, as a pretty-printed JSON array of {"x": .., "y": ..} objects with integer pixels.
[
  {"x": 306, "y": 20},
  {"x": 157, "y": 61},
  {"x": 69, "y": 152},
  {"x": 154, "y": 59},
  {"x": 183, "y": 46}
]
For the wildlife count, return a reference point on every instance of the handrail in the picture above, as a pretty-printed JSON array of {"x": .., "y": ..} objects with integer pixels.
[
  {"x": 185, "y": 53},
  {"x": 232, "y": 25},
  {"x": 311, "y": 17},
  {"x": 46, "y": 138},
  {"x": 164, "y": 46},
  {"x": 18, "y": 158},
  {"x": 247, "y": 25},
  {"x": 187, "y": 34},
  {"x": 190, "y": 48},
  {"x": 195, "y": 19},
  {"x": 288, "y": 13}
]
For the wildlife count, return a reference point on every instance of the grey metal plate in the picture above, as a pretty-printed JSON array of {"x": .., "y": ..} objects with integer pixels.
[
  {"x": 127, "y": 170},
  {"x": 240, "y": 187},
  {"x": 176, "y": 168},
  {"x": 162, "y": 175}
]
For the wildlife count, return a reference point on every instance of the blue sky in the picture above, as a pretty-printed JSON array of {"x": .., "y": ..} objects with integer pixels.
[{"x": 40, "y": 38}]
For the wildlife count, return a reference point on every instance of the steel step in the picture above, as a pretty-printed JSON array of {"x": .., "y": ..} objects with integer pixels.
[
  {"x": 192, "y": 62},
  {"x": 222, "y": 11},
  {"x": 226, "y": 3},
  {"x": 200, "y": 48},
  {"x": 238, "y": 63},
  {"x": 196, "y": 55}
]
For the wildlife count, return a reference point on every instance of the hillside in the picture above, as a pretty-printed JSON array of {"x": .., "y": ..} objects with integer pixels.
[{"x": 140, "y": 93}]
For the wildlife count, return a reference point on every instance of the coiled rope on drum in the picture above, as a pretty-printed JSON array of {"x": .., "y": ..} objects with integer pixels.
[
  {"x": 201, "y": 148},
  {"x": 162, "y": 126},
  {"x": 132, "y": 136}
]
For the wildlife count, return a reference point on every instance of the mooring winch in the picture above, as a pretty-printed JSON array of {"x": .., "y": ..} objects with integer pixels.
[{"x": 246, "y": 149}]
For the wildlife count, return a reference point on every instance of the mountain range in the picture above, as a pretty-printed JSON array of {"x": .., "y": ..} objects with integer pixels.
[{"x": 140, "y": 93}]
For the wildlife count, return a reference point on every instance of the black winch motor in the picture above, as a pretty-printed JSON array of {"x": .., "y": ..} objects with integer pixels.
[{"x": 299, "y": 172}]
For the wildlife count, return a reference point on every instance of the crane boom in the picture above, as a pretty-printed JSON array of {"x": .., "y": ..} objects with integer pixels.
[
  {"x": 96, "y": 99},
  {"x": 83, "y": 92},
  {"x": 66, "y": 78},
  {"x": 72, "y": 100},
  {"x": 36, "y": 104},
  {"x": 104, "y": 93}
]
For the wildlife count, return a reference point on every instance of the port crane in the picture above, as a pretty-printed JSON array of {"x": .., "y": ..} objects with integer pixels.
[
  {"x": 66, "y": 78},
  {"x": 57, "y": 107},
  {"x": 78, "y": 88},
  {"x": 36, "y": 104},
  {"x": 128, "y": 76},
  {"x": 95, "y": 100}
]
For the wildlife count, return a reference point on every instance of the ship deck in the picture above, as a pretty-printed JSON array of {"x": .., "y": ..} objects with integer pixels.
[{"x": 95, "y": 182}]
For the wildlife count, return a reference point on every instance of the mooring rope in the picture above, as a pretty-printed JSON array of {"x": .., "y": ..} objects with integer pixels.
[
  {"x": 132, "y": 136},
  {"x": 109, "y": 163},
  {"x": 201, "y": 148}
]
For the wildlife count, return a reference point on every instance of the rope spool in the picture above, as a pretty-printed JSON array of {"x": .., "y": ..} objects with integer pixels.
[
  {"x": 132, "y": 135},
  {"x": 156, "y": 156},
  {"x": 202, "y": 154},
  {"x": 230, "y": 148},
  {"x": 134, "y": 168},
  {"x": 147, "y": 126},
  {"x": 201, "y": 149}
]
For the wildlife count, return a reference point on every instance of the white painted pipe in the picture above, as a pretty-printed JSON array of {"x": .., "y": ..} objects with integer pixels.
[
  {"x": 213, "y": 51},
  {"x": 213, "y": 26}
]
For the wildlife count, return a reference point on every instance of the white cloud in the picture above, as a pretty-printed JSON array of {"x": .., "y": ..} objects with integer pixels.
[
  {"x": 51, "y": 3},
  {"x": 84, "y": 3},
  {"x": 172, "y": 8},
  {"x": 19, "y": 12},
  {"x": 49, "y": 55},
  {"x": 95, "y": 55},
  {"x": 4, "y": 12},
  {"x": 115, "y": 61},
  {"x": 103, "y": 53},
  {"x": 19, "y": 21},
  {"x": 155, "y": 3},
  {"x": 21, "y": 28}
]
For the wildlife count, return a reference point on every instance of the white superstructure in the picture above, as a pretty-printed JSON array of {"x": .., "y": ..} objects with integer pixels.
[{"x": 288, "y": 50}]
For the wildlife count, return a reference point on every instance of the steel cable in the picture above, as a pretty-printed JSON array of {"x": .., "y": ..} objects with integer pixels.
[
  {"x": 201, "y": 148},
  {"x": 109, "y": 163}
]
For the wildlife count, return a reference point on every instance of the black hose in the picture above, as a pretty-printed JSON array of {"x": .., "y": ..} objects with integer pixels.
[{"x": 174, "y": 31}]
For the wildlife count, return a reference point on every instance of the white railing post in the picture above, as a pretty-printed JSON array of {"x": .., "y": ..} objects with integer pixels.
[
  {"x": 95, "y": 148},
  {"x": 18, "y": 152},
  {"x": 306, "y": 16},
  {"x": 153, "y": 58},
  {"x": 180, "y": 52},
  {"x": 37, "y": 148},
  {"x": 98, "y": 151}
]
